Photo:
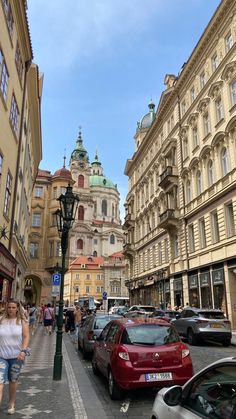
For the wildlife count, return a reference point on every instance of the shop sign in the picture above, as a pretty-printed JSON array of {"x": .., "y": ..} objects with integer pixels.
[
  {"x": 205, "y": 279},
  {"x": 218, "y": 276},
  {"x": 193, "y": 281},
  {"x": 178, "y": 284},
  {"x": 28, "y": 283}
]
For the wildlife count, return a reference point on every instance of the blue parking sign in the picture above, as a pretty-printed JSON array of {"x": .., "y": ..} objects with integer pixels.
[
  {"x": 56, "y": 279},
  {"x": 104, "y": 295}
]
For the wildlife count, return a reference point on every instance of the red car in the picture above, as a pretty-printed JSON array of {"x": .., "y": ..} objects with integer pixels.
[{"x": 142, "y": 352}]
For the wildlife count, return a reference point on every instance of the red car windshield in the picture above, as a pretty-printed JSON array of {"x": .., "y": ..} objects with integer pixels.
[{"x": 149, "y": 335}]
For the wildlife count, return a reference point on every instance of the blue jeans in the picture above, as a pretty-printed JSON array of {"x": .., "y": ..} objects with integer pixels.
[{"x": 10, "y": 370}]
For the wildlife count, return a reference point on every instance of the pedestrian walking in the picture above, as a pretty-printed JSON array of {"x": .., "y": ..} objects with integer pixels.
[
  {"x": 70, "y": 320},
  {"x": 48, "y": 319},
  {"x": 33, "y": 314},
  {"x": 14, "y": 341},
  {"x": 78, "y": 317}
]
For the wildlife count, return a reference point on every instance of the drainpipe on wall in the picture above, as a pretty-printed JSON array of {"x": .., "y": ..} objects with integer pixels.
[{"x": 27, "y": 66}]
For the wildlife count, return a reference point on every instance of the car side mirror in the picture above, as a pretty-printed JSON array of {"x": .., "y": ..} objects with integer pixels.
[{"x": 173, "y": 396}]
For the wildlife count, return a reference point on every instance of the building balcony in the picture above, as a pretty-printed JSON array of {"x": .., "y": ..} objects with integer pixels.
[
  {"x": 169, "y": 219},
  {"x": 169, "y": 177},
  {"x": 128, "y": 250},
  {"x": 129, "y": 220}
]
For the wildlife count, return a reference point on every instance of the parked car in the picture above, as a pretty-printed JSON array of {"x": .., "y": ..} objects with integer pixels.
[
  {"x": 90, "y": 329},
  {"x": 203, "y": 324},
  {"x": 122, "y": 310},
  {"x": 208, "y": 394},
  {"x": 144, "y": 352},
  {"x": 166, "y": 315},
  {"x": 139, "y": 310}
]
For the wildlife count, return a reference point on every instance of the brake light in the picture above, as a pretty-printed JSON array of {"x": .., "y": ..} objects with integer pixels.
[
  {"x": 124, "y": 355},
  {"x": 202, "y": 323},
  {"x": 185, "y": 352},
  {"x": 90, "y": 335}
]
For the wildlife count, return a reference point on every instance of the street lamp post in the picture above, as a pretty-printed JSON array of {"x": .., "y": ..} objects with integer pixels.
[{"x": 65, "y": 217}]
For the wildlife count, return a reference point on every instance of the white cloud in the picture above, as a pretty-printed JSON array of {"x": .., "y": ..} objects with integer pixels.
[{"x": 65, "y": 30}]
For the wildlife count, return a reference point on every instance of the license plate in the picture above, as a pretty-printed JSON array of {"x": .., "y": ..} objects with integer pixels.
[
  {"x": 160, "y": 376},
  {"x": 215, "y": 325}
]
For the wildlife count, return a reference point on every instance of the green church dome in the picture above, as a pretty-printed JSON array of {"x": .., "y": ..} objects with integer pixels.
[{"x": 102, "y": 181}]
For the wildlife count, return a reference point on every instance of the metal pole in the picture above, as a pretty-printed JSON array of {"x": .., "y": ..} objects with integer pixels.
[{"x": 57, "y": 367}]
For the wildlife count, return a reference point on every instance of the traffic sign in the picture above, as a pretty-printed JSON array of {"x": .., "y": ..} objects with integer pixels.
[
  {"x": 56, "y": 279},
  {"x": 104, "y": 295},
  {"x": 55, "y": 290}
]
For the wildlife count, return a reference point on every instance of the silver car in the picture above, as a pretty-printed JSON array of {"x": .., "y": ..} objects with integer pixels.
[
  {"x": 203, "y": 324},
  {"x": 91, "y": 329}
]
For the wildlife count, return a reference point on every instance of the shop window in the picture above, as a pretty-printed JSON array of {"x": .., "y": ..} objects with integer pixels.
[
  {"x": 229, "y": 218},
  {"x": 81, "y": 181}
]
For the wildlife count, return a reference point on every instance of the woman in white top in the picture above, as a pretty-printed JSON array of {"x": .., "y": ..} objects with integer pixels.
[{"x": 14, "y": 341}]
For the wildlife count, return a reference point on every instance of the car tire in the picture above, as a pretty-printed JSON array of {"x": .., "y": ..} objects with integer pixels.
[
  {"x": 115, "y": 391},
  {"x": 226, "y": 343},
  {"x": 192, "y": 339}
]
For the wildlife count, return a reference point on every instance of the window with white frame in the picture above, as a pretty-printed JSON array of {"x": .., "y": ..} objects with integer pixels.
[
  {"x": 224, "y": 161},
  {"x": 183, "y": 107},
  {"x": 99, "y": 276},
  {"x": 8, "y": 192},
  {"x": 38, "y": 191},
  {"x": 34, "y": 250},
  {"x": 219, "y": 109},
  {"x": 77, "y": 288},
  {"x": 88, "y": 276},
  {"x": 166, "y": 250},
  {"x": 210, "y": 172},
  {"x": 206, "y": 124},
  {"x": 62, "y": 190},
  {"x": 159, "y": 254},
  {"x": 18, "y": 61},
  {"x": 58, "y": 249},
  {"x": 36, "y": 219},
  {"x": 176, "y": 246},
  {"x": 195, "y": 137},
  {"x": 3, "y": 76},
  {"x": 99, "y": 290},
  {"x": 191, "y": 239},
  {"x": 185, "y": 148},
  {"x": 199, "y": 182},
  {"x": 233, "y": 92},
  {"x": 154, "y": 256},
  {"x": 77, "y": 276},
  {"x": 214, "y": 62},
  {"x": 215, "y": 232},
  {"x": 87, "y": 289},
  {"x": 202, "y": 232},
  {"x": 228, "y": 41},
  {"x": 192, "y": 94},
  {"x": 1, "y": 163},
  {"x": 229, "y": 218},
  {"x": 9, "y": 16},
  {"x": 14, "y": 114},
  {"x": 188, "y": 191},
  {"x": 202, "y": 79}
]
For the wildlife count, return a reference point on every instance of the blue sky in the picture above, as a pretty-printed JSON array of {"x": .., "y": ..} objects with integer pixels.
[{"x": 103, "y": 60}]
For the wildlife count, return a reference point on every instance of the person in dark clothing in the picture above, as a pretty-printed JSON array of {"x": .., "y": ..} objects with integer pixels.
[{"x": 70, "y": 320}]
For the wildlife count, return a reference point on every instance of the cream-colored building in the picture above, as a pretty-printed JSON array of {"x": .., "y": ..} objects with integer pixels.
[
  {"x": 181, "y": 205},
  {"x": 20, "y": 143}
]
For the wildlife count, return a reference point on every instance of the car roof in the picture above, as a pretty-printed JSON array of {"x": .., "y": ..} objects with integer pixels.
[
  {"x": 127, "y": 322},
  {"x": 210, "y": 310}
]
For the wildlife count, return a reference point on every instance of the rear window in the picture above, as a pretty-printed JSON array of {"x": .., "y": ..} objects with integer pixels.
[
  {"x": 149, "y": 335},
  {"x": 151, "y": 309},
  {"x": 211, "y": 315},
  {"x": 101, "y": 323}
]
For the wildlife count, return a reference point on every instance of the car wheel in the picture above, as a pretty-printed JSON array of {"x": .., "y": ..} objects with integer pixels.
[
  {"x": 226, "y": 343},
  {"x": 94, "y": 367},
  {"x": 115, "y": 391},
  {"x": 192, "y": 339}
]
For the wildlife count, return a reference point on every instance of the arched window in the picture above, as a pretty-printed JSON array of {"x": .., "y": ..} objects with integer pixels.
[
  {"x": 210, "y": 172},
  {"x": 81, "y": 212},
  {"x": 224, "y": 161},
  {"x": 112, "y": 239},
  {"x": 199, "y": 182},
  {"x": 95, "y": 253},
  {"x": 188, "y": 191},
  {"x": 80, "y": 244},
  {"x": 104, "y": 207},
  {"x": 81, "y": 181}
]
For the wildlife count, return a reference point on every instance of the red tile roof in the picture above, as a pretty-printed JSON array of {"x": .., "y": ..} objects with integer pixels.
[{"x": 91, "y": 262}]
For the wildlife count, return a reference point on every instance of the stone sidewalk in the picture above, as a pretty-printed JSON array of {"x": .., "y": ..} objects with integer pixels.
[{"x": 39, "y": 397}]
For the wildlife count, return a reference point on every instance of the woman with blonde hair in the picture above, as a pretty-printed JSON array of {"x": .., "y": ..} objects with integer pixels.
[{"x": 14, "y": 341}]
